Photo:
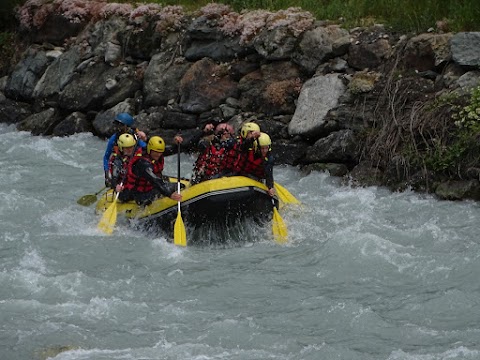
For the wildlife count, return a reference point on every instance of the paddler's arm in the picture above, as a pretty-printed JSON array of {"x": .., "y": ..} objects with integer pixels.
[
  {"x": 268, "y": 168},
  {"x": 145, "y": 170}
]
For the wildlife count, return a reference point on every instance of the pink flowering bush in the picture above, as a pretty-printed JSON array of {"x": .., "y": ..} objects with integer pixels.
[
  {"x": 115, "y": 9},
  {"x": 170, "y": 18},
  {"x": 294, "y": 18},
  {"x": 215, "y": 11},
  {"x": 33, "y": 13},
  {"x": 145, "y": 11},
  {"x": 75, "y": 11},
  {"x": 249, "y": 23}
]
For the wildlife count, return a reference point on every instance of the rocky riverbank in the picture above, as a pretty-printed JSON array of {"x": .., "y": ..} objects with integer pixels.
[{"x": 366, "y": 104}]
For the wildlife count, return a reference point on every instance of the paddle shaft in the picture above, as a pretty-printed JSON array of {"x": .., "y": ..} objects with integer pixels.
[
  {"x": 179, "y": 233},
  {"x": 98, "y": 192}
]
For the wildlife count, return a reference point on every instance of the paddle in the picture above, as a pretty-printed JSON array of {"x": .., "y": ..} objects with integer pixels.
[
  {"x": 284, "y": 195},
  {"x": 109, "y": 218},
  {"x": 179, "y": 234},
  {"x": 279, "y": 228},
  {"x": 87, "y": 200}
]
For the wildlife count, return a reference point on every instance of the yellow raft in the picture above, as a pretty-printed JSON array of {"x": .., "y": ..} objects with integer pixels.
[{"x": 219, "y": 201}]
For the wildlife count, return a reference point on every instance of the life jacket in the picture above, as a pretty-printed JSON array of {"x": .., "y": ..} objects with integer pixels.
[
  {"x": 138, "y": 183},
  {"x": 158, "y": 166},
  {"x": 241, "y": 156},
  {"x": 254, "y": 165},
  {"x": 118, "y": 163},
  {"x": 209, "y": 163},
  {"x": 115, "y": 149},
  {"x": 230, "y": 158}
]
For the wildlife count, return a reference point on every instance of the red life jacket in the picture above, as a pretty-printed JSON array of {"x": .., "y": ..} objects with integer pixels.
[
  {"x": 213, "y": 160},
  {"x": 230, "y": 158},
  {"x": 254, "y": 165},
  {"x": 141, "y": 184},
  {"x": 216, "y": 159},
  {"x": 116, "y": 154},
  {"x": 158, "y": 166},
  {"x": 240, "y": 156}
]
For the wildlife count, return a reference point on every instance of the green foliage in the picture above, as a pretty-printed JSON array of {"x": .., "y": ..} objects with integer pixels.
[
  {"x": 418, "y": 15},
  {"x": 455, "y": 148},
  {"x": 468, "y": 116}
]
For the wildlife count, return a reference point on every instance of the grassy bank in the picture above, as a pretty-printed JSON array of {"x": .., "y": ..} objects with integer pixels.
[{"x": 402, "y": 15}]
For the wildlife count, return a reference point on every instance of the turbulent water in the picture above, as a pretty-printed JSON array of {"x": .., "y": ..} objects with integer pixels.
[{"x": 367, "y": 274}]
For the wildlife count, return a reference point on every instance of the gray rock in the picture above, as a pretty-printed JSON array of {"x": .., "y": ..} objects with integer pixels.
[
  {"x": 58, "y": 74},
  {"x": 318, "y": 96},
  {"x": 316, "y": 46},
  {"x": 465, "y": 47},
  {"x": 72, "y": 124},
  {"x": 41, "y": 123},
  {"x": 161, "y": 79},
  {"x": 22, "y": 81},
  {"x": 338, "y": 147}
]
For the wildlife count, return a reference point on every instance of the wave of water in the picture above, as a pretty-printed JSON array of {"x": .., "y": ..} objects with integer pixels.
[{"x": 367, "y": 274}]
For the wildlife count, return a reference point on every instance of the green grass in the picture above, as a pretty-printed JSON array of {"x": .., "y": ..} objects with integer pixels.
[{"x": 401, "y": 15}]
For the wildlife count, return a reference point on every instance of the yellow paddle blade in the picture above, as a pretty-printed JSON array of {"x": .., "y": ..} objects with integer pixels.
[
  {"x": 285, "y": 195},
  {"x": 109, "y": 218},
  {"x": 87, "y": 200},
  {"x": 279, "y": 228},
  {"x": 179, "y": 234}
]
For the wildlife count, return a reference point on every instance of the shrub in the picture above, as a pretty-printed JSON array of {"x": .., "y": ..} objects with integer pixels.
[
  {"x": 277, "y": 93},
  {"x": 468, "y": 116},
  {"x": 249, "y": 23},
  {"x": 170, "y": 18},
  {"x": 33, "y": 13}
]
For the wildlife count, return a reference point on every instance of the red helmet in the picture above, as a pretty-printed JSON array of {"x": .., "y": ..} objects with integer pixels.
[{"x": 223, "y": 128}]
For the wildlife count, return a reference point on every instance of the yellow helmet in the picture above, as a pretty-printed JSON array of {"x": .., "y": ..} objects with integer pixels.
[
  {"x": 247, "y": 127},
  {"x": 264, "y": 140},
  {"x": 125, "y": 141},
  {"x": 156, "y": 143}
]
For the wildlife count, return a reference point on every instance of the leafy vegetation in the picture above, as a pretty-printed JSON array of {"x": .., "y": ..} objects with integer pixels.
[
  {"x": 404, "y": 16},
  {"x": 417, "y": 16},
  {"x": 440, "y": 136}
]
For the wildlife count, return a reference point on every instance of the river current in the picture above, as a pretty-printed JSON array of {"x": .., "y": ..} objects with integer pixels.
[{"x": 366, "y": 274}]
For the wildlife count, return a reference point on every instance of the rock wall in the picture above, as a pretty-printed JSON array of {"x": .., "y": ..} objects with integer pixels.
[{"x": 320, "y": 91}]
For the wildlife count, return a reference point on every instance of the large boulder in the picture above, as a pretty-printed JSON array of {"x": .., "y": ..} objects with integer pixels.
[
  {"x": 96, "y": 85},
  {"x": 338, "y": 147},
  {"x": 318, "y": 96},
  {"x": 204, "y": 86},
  {"x": 427, "y": 51},
  {"x": 58, "y": 74},
  {"x": 318, "y": 45},
  {"x": 41, "y": 123},
  {"x": 22, "y": 81},
  {"x": 161, "y": 79},
  {"x": 465, "y": 47},
  {"x": 204, "y": 40}
]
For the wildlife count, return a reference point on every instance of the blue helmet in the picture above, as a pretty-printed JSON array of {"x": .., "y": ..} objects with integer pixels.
[{"x": 125, "y": 119}]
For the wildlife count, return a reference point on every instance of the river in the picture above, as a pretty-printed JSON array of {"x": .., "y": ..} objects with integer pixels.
[{"x": 366, "y": 274}]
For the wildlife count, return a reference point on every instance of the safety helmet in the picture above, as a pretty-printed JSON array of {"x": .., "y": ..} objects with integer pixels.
[
  {"x": 223, "y": 128},
  {"x": 264, "y": 140},
  {"x": 249, "y": 126},
  {"x": 125, "y": 119},
  {"x": 156, "y": 143},
  {"x": 125, "y": 141}
]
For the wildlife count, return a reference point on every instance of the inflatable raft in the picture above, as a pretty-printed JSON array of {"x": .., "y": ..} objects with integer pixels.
[{"x": 222, "y": 201}]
